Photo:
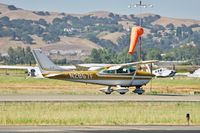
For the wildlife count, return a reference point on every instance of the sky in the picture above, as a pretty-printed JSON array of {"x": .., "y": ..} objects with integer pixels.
[{"x": 187, "y": 9}]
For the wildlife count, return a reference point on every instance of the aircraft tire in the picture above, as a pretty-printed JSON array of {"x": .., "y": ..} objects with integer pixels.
[{"x": 122, "y": 93}]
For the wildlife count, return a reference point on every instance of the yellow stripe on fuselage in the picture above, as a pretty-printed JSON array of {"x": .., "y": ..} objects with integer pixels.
[{"x": 94, "y": 75}]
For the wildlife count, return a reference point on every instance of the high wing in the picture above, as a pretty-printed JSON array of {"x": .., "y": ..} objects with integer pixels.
[
  {"x": 115, "y": 67},
  {"x": 140, "y": 62}
]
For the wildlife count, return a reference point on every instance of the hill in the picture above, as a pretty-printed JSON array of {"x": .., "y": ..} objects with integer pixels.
[{"x": 73, "y": 36}]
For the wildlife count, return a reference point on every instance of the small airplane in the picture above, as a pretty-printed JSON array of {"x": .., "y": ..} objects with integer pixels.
[
  {"x": 164, "y": 72},
  {"x": 32, "y": 71},
  {"x": 195, "y": 74},
  {"x": 121, "y": 76}
]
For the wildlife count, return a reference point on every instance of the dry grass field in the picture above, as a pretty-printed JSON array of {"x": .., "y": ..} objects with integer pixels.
[{"x": 179, "y": 85}]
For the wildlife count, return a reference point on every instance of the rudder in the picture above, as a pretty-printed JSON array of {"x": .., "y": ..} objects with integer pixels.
[{"x": 44, "y": 63}]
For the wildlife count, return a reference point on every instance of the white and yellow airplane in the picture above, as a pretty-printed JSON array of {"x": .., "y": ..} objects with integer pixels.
[{"x": 121, "y": 76}]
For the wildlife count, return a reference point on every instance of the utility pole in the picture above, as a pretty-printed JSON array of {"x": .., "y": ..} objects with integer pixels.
[{"x": 140, "y": 5}]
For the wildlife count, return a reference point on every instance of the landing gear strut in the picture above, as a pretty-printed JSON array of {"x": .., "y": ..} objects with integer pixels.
[
  {"x": 139, "y": 90},
  {"x": 107, "y": 90}
]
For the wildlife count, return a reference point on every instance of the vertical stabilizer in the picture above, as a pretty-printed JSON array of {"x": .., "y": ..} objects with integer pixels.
[{"x": 44, "y": 63}]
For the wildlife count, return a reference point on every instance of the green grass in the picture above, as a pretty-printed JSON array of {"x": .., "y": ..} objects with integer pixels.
[{"x": 123, "y": 113}]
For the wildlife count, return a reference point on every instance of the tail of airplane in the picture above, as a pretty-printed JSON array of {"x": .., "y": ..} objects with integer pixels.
[{"x": 44, "y": 63}]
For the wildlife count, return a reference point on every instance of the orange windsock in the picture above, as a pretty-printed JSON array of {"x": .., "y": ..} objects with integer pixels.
[{"x": 136, "y": 32}]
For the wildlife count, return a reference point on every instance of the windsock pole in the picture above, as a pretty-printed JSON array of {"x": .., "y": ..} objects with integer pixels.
[
  {"x": 140, "y": 45},
  {"x": 140, "y": 5}
]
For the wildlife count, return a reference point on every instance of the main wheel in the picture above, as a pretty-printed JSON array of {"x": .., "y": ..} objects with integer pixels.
[
  {"x": 122, "y": 93},
  {"x": 140, "y": 93},
  {"x": 139, "y": 90}
]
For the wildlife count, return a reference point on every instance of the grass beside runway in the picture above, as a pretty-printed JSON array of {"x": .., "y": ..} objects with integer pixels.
[
  {"x": 10, "y": 84},
  {"x": 122, "y": 113},
  {"x": 179, "y": 85},
  {"x": 20, "y": 85}
]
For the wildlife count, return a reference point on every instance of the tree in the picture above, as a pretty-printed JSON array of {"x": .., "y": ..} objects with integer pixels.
[
  {"x": 27, "y": 39},
  {"x": 57, "y": 21},
  {"x": 41, "y": 13},
  {"x": 96, "y": 56},
  {"x": 51, "y": 38},
  {"x": 179, "y": 32},
  {"x": 20, "y": 56},
  {"x": 12, "y": 7},
  {"x": 1, "y": 58},
  {"x": 12, "y": 56},
  {"x": 170, "y": 26},
  {"x": 123, "y": 42},
  {"x": 154, "y": 55},
  {"x": 29, "y": 59},
  {"x": 110, "y": 57},
  {"x": 42, "y": 22},
  {"x": 5, "y": 20},
  {"x": 111, "y": 15}
]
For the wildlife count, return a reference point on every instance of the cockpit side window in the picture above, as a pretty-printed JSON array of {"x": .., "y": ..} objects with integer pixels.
[
  {"x": 122, "y": 70},
  {"x": 108, "y": 72},
  {"x": 126, "y": 70},
  {"x": 132, "y": 69}
]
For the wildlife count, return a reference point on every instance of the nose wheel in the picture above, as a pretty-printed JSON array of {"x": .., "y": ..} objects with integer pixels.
[{"x": 139, "y": 90}]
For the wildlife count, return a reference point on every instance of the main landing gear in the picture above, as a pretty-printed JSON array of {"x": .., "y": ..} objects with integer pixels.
[
  {"x": 121, "y": 90},
  {"x": 139, "y": 90},
  {"x": 108, "y": 90}
]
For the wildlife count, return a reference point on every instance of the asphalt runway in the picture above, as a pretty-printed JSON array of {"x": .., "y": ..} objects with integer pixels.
[
  {"x": 99, "y": 98},
  {"x": 100, "y": 129}
]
